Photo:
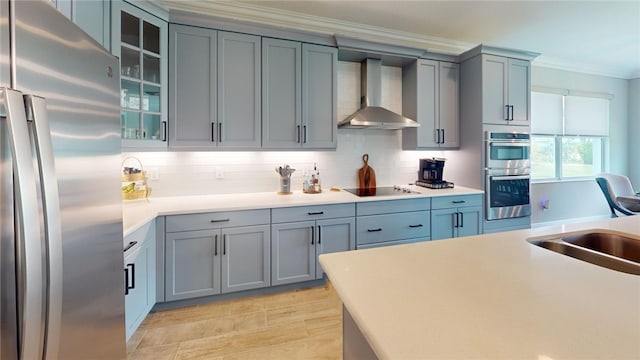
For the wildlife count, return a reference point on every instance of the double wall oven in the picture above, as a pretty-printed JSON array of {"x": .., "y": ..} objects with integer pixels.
[{"x": 507, "y": 171}]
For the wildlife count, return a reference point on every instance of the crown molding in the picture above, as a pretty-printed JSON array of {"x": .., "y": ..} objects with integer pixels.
[
  {"x": 558, "y": 64},
  {"x": 284, "y": 19},
  {"x": 289, "y": 19}
]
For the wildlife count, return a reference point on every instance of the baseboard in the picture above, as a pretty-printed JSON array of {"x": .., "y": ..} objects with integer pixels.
[{"x": 570, "y": 221}]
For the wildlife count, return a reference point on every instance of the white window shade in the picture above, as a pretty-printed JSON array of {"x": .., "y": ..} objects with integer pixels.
[
  {"x": 546, "y": 113},
  {"x": 586, "y": 116}
]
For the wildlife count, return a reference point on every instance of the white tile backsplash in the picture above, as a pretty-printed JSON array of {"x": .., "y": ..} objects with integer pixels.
[{"x": 193, "y": 173}]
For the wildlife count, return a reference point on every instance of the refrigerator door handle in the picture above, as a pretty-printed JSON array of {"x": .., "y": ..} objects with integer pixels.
[
  {"x": 37, "y": 107},
  {"x": 26, "y": 207}
]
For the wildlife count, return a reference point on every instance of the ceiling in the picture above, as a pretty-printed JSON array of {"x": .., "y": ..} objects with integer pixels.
[{"x": 598, "y": 37}]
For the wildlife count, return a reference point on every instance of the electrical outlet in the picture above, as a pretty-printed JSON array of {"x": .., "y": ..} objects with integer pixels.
[
  {"x": 545, "y": 204},
  {"x": 153, "y": 173},
  {"x": 219, "y": 172}
]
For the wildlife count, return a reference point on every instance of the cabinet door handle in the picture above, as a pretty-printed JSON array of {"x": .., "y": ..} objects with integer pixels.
[
  {"x": 415, "y": 226},
  {"x": 130, "y": 245},
  {"x": 304, "y": 130},
  {"x": 215, "y": 246},
  {"x": 313, "y": 234},
  {"x": 219, "y": 132},
  {"x": 316, "y": 213},
  {"x": 374, "y": 230},
  {"x": 442, "y": 136},
  {"x": 224, "y": 244},
  {"x": 164, "y": 131},
  {"x": 458, "y": 202},
  {"x": 511, "y": 112},
  {"x": 220, "y": 220},
  {"x": 507, "y": 112},
  {"x": 461, "y": 219},
  {"x": 298, "y": 135},
  {"x": 133, "y": 276},
  {"x": 319, "y": 235},
  {"x": 126, "y": 281},
  {"x": 454, "y": 219},
  {"x": 213, "y": 132}
]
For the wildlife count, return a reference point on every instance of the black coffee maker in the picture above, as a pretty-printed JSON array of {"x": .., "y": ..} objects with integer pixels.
[{"x": 430, "y": 174}]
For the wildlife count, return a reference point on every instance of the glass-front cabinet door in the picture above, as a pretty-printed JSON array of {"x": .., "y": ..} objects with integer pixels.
[{"x": 140, "y": 41}]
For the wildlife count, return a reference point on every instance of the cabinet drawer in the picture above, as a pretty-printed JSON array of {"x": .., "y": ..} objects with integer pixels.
[
  {"x": 392, "y": 206},
  {"x": 316, "y": 212},
  {"x": 216, "y": 220},
  {"x": 381, "y": 228},
  {"x": 456, "y": 201}
]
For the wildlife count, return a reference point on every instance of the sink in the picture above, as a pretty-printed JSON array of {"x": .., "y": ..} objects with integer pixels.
[{"x": 610, "y": 250}]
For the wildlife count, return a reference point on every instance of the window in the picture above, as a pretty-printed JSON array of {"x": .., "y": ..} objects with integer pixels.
[{"x": 569, "y": 135}]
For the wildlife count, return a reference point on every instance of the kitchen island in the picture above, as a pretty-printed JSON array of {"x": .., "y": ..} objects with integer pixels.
[{"x": 492, "y": 296}]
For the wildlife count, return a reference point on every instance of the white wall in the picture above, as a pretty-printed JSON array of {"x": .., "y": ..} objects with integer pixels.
[
  {"x": 634, "y": 132},
  {"x": 193, "y": 173},
  {"x": 576, "y": 199}
]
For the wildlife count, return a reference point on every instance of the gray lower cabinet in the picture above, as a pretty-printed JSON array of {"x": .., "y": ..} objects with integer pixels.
[
  {"x": 456, "y": 216},
  {"x": 231, "y": 255},
  {"x": 392, "y": 222},
  {"x": 296, "y": 245},
  {"x": 299, "y": 95},
  {"x": 140, "y": 277}
]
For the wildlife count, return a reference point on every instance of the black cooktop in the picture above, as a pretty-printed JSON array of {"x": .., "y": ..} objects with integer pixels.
[{"x": 382, "y": 191}]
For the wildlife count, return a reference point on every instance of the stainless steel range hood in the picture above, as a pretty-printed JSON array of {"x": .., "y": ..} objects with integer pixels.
[{"x": 371, "y": 115}]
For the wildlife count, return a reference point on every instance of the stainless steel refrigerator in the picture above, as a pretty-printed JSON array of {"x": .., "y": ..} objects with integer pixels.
[{"x": 61, "y": 254}]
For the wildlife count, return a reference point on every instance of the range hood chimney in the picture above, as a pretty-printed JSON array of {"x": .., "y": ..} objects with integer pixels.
[{"x": 371, "y": 115}]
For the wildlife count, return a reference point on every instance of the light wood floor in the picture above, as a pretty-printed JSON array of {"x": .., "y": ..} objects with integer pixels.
[{"x": 299, "y": 324}]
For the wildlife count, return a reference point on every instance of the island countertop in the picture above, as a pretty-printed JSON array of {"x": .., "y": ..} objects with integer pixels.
[{"x": 492, "y": 296}]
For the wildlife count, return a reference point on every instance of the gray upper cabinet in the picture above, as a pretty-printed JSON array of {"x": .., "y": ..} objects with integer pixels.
[
  {"x": 215, "y": 95},
  {"x": 281, "y": 93},
  {"x": 431, "y": 97},
  {"x": 239, "y": 91},
  {"x": 506, "y": 89},
  {"x": 92, "y": 16},
  {"x": 192, "y": 95},
  {"x": 319, "y": 96},
  {"x": 139, "y": 39},
  {"x": 299, "y": 93}
]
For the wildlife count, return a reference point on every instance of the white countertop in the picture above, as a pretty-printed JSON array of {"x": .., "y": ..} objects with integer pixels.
[
  {"x": 492, "y": 296},
  {"x": 138, "y": 212}
]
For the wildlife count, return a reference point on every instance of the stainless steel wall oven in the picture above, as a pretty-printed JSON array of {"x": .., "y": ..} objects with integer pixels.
[
  {"x": 507, "y": 181},
  {"x": 505, "y": 150},
  {"x": 507, "y": 193}
]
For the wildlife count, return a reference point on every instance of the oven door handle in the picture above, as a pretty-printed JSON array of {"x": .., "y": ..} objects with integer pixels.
[
  {"x": 510, "y": 177},
  {"x": 512, "y": 143}
]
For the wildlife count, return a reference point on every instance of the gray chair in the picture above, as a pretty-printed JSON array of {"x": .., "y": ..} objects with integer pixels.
[{"x": 619, "y": 194}]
